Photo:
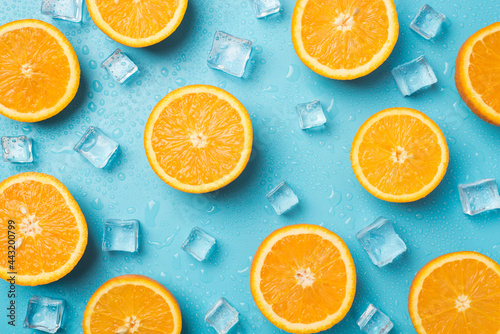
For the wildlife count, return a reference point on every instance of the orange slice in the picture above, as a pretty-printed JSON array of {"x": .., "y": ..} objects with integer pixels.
[
  {"x": 477, "y": 73},
  {"x": 344, "y": 39},
  {"x": 132, "y": 304},
  {"x": 39, "y": 71},
  {"x": 198, "y": 138},
  {"x": 456, "y": 293},
  {"x": 137, "y": 23},
  {"x": 303, "y": 278},
  {"x": 399, "y": 155},
  {"x": 42, "y": 221}
]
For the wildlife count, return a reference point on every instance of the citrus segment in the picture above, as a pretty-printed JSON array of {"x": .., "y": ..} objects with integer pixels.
[
  {"x": 49, "y": 228},
  {"x": 457, "y": 293},
  {"x": 39, "y": 71},
  {"x": 198, "y": 138},
  {"x": 303, "y": 278},
  {"x": 399, "y": 155}
]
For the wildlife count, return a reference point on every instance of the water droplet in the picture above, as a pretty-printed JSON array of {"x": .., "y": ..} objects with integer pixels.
[
  {"x": 97, "y": 204},
  {"x": 117, "y": 133},
  {"x": 97, "y": 86},
  {"x": 293, "y": 73},
  {"x": 335, "y": 197},
  {"x": 151, "y": 212}
]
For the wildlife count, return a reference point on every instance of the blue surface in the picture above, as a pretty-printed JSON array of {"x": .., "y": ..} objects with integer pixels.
[{"x": 315, "y": 163}]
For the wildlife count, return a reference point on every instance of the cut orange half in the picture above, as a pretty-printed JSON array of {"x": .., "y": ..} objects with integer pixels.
[
  {"x": 132, "y": 304},
  {"x": 399, "y": 155},
  {"x": 137, "y": 23},
  {"x": 456, "y": 293},
  {"x": 344, "y": 39},
  {"x": 44, "y": 233},
  {"x": 39, "y": 71},
  {"x": 303, "y": 278},
  {"x": 198, "y": 138},
  {"x": 477, "y": 73}
]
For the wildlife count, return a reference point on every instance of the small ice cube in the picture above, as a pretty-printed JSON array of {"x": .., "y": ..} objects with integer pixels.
[
  {"x": 121, "y": 235},
  {"x": 119, "y": 66},
  {"x": 381, "y": 242},
  {"x": 428, "y": 22},
  {"x": 479, "y": 196},
  {"x": 263, "y": 8},
  {"x": 199, "y": 244},
  {"x": 222, "y": 316},
  {"x": 310, "y": 114},
  {"x": 229, "y": 54},
  {"x": 44, "y": 314},
  {"x": 414, "y": 76},
  {"x": 96, "y": 147},
  {"x": 68, "y": 10},
  {"x": 17, "y": 149},
  {"x": 282, "y": 198},
  {"x": 373, "y": 321}
]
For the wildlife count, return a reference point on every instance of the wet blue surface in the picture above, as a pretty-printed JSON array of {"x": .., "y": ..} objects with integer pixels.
[{"x": 314, "y": 162}]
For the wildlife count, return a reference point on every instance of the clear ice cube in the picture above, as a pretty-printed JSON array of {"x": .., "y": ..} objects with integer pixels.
[
  {"x": 199, "y": 244},
  {"x": 282, "y": 198},
  {"x": 479, "y": 196},
  {"x": 17, "y": 149},
  {"x": 428, "y": 22},
  {"x": 96, "y": 147},
  {"x": 119, "y": 66},
  {"x": 44, "y": 314},
  {"x": 414, "y": 76},
  {"x": 373, "y": 321},
  {"x": 310, "y": 114},
  {"x": 121, "y": 235},
  {"x": 263, "y": 8},
  {"x": 222, "y": 316},
  {"x": 229, "y": 54},
  {"x": 381, "y": 242},
  {"x": 68, "y": 10}
]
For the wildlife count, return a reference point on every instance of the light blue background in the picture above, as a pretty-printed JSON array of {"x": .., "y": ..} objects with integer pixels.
[{"x": 315, "y": 163}]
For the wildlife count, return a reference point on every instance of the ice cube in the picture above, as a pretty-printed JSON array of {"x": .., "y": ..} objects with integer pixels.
[
  {"x": 199, "y": 244},
  {"x": 428, "y": 22},
  {"x": 119, "y": 66},
  {"x": 263, "y": 8},
  {"x": 68, "y": 10},
  {"x": 381, "y": 242},
  {"x": 282, "y": 198},
  {"x": 222, "y": 316},
  {"x": 17, "y": 149},
  {"x": 479, "y": 196},
  {"x": 44, "y": 314},
  {"x": 373, "y": 321},
  {"x": 121, "y": 235},
  {"x": 310, "y": 114},
  {"x": 96, "y": 147},
  {"x": 229, "y": 54},
  {"x": 414, "y": 76}
]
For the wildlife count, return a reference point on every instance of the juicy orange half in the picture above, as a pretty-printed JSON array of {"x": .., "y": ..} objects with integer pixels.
[
  {"x": 132, "y": 304},
  {"x": 399, "y": 155},
  {"x": 40, "y": 218},
  {"x": 344, "y": 39},
  {"x": 456, "y": 293},
  {"x": 303, "y": 278},
  {"x": 198, "y": 138},
  {"x": 137, "y": 23},
  {"x": 39, "y": 71},
  {"x": 477, "y": 73}
]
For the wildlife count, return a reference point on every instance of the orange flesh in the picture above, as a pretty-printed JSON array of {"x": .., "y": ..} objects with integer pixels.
[
  {"x": 295, "y": 259},
  {"x": 468, "y": 280},
  {"x": 41, "y": 208},
  {"x": 344, "y": 34},
  {"x": 35, "y": 78},
  {"x": 198, "y": 138},
  {"x": 137, "y": 19},
  {"x": 484, "y": 69},
  {"x": 399, "y": 155},
  {"x": 114, "y": 308}
]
